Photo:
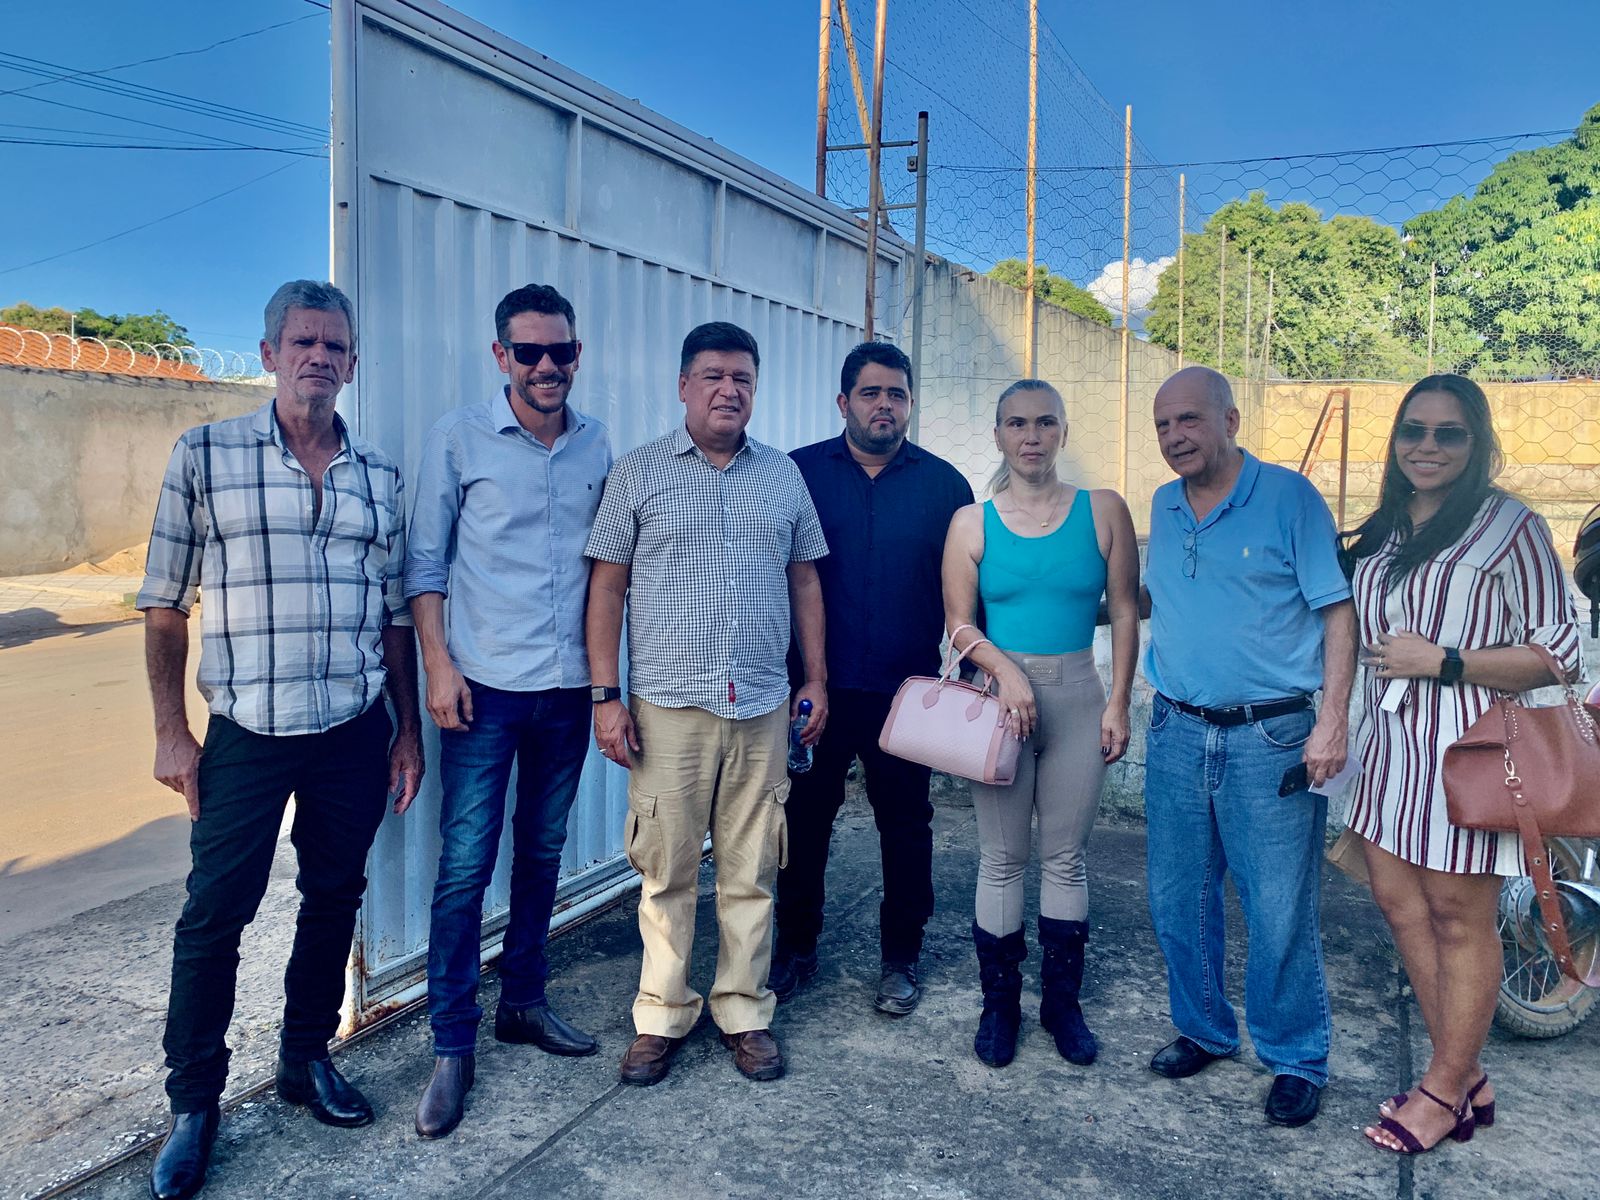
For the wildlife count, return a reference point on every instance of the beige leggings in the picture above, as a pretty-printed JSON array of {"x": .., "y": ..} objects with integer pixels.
[{"x": 1059, "y": 774}]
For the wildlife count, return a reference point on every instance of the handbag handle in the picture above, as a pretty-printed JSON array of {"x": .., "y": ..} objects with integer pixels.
[
  {"x": 1580, "y": 714},
  {"x": 952, "y": 666},
  {"x": 1557, "y": 672},
  {"x": 1534, "y": 849}
]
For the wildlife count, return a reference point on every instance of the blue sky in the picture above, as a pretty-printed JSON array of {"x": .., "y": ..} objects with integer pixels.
[{"x": 1243, "y": 79}]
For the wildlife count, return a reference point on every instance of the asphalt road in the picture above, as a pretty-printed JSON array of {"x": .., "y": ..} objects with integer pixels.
[{"x": 82, "y": 822}]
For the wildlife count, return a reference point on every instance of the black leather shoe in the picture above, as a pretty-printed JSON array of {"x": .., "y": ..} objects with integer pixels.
[
  {"x": 180, "y": 1167},
  {"x": 898, "y": 990},
  {"x": 332, "y": 1098},
  {"x": 1292, "y": 1101},
  {"x": 538, "y": 1025},
  {"x": 789, "y": 971},
  {"x": 444, "y": 1100},
  {"x": 1182, "y": 1058}
]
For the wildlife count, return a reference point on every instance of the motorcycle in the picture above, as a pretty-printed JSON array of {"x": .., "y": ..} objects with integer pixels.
[{"x": 1536, "y": 1000}]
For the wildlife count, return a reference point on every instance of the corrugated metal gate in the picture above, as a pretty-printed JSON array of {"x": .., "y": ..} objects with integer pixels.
[{"x": 465, "y": 165}]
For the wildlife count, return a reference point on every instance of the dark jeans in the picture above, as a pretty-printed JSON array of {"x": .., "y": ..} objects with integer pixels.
[
  {"x": 547, "y": 735},
  {"x": 898, "y": 792},
  {"x": 339, "y": 780}
]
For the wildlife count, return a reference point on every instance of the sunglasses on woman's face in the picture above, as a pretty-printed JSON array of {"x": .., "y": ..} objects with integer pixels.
[
  {"x": 531, "y": 354},
  {"x": 1446, "y": 437}
]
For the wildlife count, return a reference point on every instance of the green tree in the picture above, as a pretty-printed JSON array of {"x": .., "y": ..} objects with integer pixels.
[
  {"x": 1517, "y": 289},
  {"x": 1052, "y": 289},
  {"x": 154, "y": 328},
  {"x": 1335, "y": 294}
]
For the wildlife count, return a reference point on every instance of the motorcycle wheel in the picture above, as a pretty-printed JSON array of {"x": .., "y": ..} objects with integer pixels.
[{"x": 1536, "y": 1000}]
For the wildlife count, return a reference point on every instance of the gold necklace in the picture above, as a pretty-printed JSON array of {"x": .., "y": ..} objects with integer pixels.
[{"x": 1049, "y": 516}]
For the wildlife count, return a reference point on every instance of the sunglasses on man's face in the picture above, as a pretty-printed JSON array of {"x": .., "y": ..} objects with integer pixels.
[
  {"x": 531, "y": 354},
  {"x": 1446, "y": 437}
]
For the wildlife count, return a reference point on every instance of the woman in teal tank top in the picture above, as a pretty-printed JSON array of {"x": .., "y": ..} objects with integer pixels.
[{"x": 1038, "y": 557}]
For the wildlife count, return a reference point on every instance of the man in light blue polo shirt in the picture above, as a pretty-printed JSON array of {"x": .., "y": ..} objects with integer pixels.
[
  {"x": 505, "y": 496},
  {"x": 1250, "y": 615}
]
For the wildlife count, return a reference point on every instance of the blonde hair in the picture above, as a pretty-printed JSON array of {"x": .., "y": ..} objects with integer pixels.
[{"x": 1001, "y": 479}]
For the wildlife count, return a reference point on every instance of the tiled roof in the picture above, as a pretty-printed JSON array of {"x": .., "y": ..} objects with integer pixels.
[{"x": 31, "y": 348}]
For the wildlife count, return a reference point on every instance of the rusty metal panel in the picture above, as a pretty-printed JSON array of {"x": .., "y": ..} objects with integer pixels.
[{"x": 466, "y": 165}]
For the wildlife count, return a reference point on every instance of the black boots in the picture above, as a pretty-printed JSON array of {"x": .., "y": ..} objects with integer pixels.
[
  {"x": 998, "y": 961},
  {"x": 180, "y": 1168},
  {"x": 332, "y": 1098},
  {"x": 1061, "y": 979}
]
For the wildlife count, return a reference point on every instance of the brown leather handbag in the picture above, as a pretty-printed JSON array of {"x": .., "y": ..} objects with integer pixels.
[{"x": 1533, "y": 771}]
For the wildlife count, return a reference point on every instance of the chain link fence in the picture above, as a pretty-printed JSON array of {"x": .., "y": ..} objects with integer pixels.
[{"x": 1322, "y": 283}]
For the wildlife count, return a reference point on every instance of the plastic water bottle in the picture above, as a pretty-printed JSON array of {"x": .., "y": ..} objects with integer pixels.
[{"x": 799, "y": 753}]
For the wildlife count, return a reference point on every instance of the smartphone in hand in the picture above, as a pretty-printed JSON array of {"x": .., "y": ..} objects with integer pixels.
[{"x": 1296, "y": 779}]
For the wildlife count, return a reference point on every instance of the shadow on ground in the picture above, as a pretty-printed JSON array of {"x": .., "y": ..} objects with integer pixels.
[
  {"x": 23, "y": 626},
  {"x": 871, "y": 1107}
]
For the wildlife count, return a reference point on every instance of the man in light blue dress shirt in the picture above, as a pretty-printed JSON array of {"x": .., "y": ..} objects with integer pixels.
[{"x": 506, "y": 493}]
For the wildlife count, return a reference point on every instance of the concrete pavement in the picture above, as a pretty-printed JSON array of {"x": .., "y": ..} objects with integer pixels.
[
  {"x": 877, "y": 1107},
  {"x": 84, "y": 822}
]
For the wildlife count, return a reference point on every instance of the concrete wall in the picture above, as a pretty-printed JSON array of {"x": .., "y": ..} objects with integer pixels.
[
  {"x": 81, "y": 458},
  {"x": 973, "y": 346},
  {"x": 1549, "y": 431}
]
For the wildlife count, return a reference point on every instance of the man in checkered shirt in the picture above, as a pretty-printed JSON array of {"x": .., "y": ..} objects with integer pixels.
[
  {"x": 711, "y": 539},
  {"x": 295, "y": 528}
]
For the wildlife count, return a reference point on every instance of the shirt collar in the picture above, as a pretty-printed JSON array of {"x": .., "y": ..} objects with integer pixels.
[
  {"x": 682, "y": 443},
  {"x": 908, "y": 452},
  {"x": 1238, "y": 496},
  {"x": 264, "y": 422},
  {"x": 505, "y": 416}
]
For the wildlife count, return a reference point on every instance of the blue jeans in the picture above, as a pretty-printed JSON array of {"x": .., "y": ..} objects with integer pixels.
[
  {"x": 1212, "y": 806},
  {"x": 547, "y": 735}
]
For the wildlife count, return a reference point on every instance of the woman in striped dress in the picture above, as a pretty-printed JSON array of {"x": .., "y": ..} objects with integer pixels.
[{"x": 1452, "y": 578}]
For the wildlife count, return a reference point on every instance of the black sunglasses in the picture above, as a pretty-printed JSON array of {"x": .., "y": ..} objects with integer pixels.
[
  {"x": 531, "y": 354},
  {"x": 1446, "y": 437}
]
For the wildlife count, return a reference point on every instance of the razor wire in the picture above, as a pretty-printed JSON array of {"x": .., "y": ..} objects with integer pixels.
[{"x": 20, "y": 347}]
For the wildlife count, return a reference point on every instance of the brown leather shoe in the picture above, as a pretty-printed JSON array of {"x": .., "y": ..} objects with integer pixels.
[
  {"x": 755, "y": 1053},
  {"x": 444, "y": 1100},
  {"x": 648, "y": 1059}
]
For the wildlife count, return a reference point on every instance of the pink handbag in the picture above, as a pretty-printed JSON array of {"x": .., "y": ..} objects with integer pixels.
[{"x": 952, "y": 726}]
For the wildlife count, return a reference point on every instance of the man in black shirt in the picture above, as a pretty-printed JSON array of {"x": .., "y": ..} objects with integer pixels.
[{"x": 885, "y": 505}]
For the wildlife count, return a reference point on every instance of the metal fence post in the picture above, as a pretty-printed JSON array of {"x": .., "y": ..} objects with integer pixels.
[
  {"x": 1182, "y": 189},
  {"x": 824, "y": 62},
  {"x": 1433, "y": 287},
  {"x": 1222, "y": 289},
  {"x": 1127, "y": 265},
  {"x": 919, "y": 265},
  {"x": 1030, "y": 323},
  {"x": 874, "y": 159}
]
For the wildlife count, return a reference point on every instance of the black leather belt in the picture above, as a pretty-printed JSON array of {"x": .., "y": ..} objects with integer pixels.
[{"x": 1241, "y": 714}]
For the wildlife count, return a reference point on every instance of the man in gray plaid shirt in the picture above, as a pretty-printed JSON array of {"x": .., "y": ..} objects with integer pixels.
[
  {"x": 295, "y": 528},
  {"x": 710, "y": 538}
]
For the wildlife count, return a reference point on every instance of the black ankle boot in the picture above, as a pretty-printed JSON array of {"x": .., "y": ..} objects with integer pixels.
[
  {"x": 180, "y": 1168},
  {"x": 1061, "y": 979},
  {"x": 998, "y": 957}
]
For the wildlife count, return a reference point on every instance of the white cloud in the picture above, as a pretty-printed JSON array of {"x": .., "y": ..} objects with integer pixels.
[{"x": 1142, "y": 277}]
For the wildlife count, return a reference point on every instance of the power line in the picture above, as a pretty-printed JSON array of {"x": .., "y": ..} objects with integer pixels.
[
  {"x": 302, "y": 152},
  {"x": 1544, "y": 134},
  {"x": 147, "y": 224},
  {"x": 238, "y": 37},
  {"x": 157, "y": 96},
  {"x": 100, "y": 112}
]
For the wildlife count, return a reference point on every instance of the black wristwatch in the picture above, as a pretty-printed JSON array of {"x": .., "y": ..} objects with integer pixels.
[
  {"x": 599, "y": 695},
  {"x": 1452, "y": 666}
]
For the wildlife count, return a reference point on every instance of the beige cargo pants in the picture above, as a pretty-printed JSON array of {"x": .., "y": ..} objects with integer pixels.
[{"x": 697, "y": 772}]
